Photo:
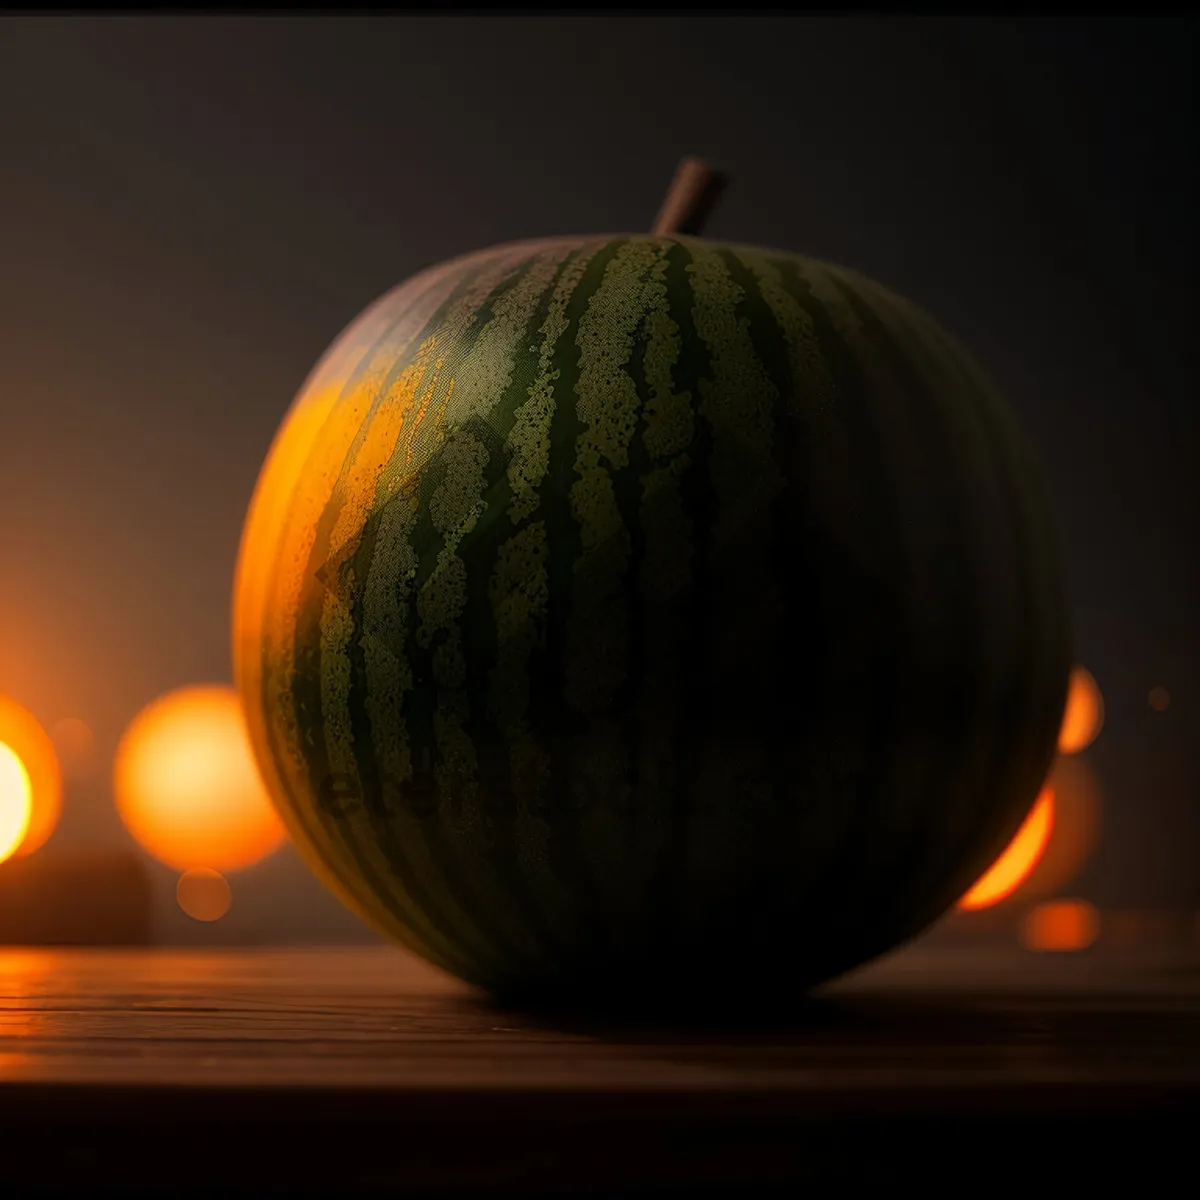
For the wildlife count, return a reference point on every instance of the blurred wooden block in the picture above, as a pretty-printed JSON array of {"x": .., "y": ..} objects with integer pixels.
[{"x": 81, "y": 898}]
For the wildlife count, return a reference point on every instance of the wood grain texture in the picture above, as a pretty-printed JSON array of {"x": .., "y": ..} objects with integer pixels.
[{"x": 361, "y": 1069}]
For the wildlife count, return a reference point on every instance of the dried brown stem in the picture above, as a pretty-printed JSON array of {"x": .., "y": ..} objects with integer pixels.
[{"x": 692, "y": 196}]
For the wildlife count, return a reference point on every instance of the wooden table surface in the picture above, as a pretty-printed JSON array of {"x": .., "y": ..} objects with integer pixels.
[{"x": 358, "y": 1070}]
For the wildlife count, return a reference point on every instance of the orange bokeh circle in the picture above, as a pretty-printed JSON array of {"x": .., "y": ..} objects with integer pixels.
[
  {"x": 203, "y": 894},
  {"x": 187, "y": 786},
  {"x": 1084, "y": 713},
  {"x": 15, "y": 801},
  {"x": 21, "y": 731}
]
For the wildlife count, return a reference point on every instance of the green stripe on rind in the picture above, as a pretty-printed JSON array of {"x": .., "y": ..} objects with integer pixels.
[
  {"x": 665, "y": 906},
  {"x": 747, "y": 398},
  {"x": 601, "y": 667},
  {"x": 560, "y": 725},
  {"x": 965, "y": 846},
  {"x": 413, "y": 907},
  {"x": 518, "y": 594},
  {"x": 352, "y": 882},
  {"x": 1021, "y": 748},
  {"x": 457, "y": 873},
  {"x": 856, "y": 687},
  {"x": 1038, "y": 656},
  {"x": 762, "y": 800},
  {"x": 357, "y": 884},
  {"x": 809, "y": 400},
  {"x": 457, "y": 504},
  {"x": 493, "y": 864},
  {"x": 647, "y": 496},
  {"x": 410, "y": 906},
  {"x": 945, "y": 612},
  {"x": 463, "y": 923},
  {"x": 1039, "y": 717}
]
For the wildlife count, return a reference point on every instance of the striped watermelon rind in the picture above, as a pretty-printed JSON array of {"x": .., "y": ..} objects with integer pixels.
[{"x": 608, "y": 603}]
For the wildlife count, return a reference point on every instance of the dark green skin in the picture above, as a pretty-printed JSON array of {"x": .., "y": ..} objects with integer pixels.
[{"x": 712, "y": 644}]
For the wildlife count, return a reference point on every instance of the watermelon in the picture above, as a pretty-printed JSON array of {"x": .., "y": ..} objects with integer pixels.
[{"x": 627, "y": 618}]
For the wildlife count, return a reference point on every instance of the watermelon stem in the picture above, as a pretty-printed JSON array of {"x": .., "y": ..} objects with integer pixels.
[{"x": 691, "y": 198}]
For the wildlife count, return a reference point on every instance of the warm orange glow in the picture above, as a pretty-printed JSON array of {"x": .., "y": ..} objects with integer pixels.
[
  {"x": 1078, "y": 803},
  {"x": 20, "y": 730},
  {"x": 1084, "y": 713},
  {"x": 256, "y": 571},
  {"x": 1061, "y": 925},
  {"x": 203, "y": 894},
  {"x": 1017, "y": 862},
  {"x": 75, "y": 745},
  {"x": 16, "y": 801},
  {"x": 1159, "y": 698},
  {"x": 187, "y": 786},
  {"x": 293, "y": 489},
  {"x": 263, "y": 546}
]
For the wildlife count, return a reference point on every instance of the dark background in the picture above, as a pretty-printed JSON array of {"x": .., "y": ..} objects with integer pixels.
[{"x": 192, "y": 208}]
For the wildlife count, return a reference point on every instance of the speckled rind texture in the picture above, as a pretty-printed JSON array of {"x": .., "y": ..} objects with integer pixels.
[{"x": 610, "y": 602}]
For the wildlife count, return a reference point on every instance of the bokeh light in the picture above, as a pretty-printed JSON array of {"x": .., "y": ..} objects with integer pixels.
[
  {"x": 1078, "y": 804},
  {"x": 203, "y": 894},
  {"x": 22, "y": 732},
  {"x": 187, "y": 786},
  {"x": 1018, "y": 860},
  {"x": 16, "y": 801},
  {"x": 1159, "y": 699},
  {"x": 1084, "y": 715},
  {"x": 1061, "y": 926},
  {"x": 76, "y": 747}
]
